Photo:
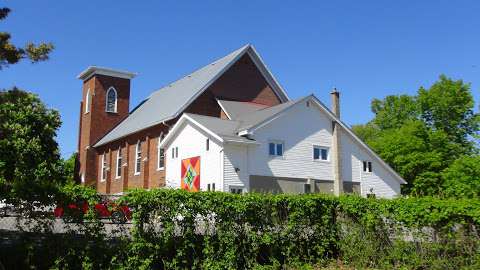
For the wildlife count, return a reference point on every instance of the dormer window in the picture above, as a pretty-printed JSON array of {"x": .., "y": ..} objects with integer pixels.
[{"x": 111, "y": 100}]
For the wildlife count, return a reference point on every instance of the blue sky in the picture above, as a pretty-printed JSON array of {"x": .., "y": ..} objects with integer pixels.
[{"x": 367, "y": 49}]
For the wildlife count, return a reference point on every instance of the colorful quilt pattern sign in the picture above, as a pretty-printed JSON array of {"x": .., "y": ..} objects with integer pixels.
[{"x": 190, "y": 174}]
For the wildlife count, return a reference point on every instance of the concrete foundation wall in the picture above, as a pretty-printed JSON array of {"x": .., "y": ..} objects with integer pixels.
[{"x": 270, "y": 184}]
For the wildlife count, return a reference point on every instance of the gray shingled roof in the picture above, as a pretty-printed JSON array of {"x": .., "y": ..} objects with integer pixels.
[
  {"x": 236, "y": 108},
  {"x": 251, "y": 116},
  {"x": 249, "y": 120},
  {"x": 226, "y": 129},
  {"x": 164, "y": 104}
]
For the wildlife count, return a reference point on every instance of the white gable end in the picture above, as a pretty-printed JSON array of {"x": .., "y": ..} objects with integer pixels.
[{"x": 191, "y": 142}]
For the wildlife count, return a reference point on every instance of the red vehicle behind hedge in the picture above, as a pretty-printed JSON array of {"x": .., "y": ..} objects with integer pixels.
[{"x": 74, "y": 212}]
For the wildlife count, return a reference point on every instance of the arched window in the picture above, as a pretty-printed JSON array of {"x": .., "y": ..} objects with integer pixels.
[
  {"x": 111, "y": 100},
  {"x": 87, "y": 101}
]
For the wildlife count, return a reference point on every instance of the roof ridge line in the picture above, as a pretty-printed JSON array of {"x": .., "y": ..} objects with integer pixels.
[{"x": 199, "y": 68}]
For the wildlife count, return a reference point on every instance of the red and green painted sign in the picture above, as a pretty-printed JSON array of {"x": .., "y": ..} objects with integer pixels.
[{"x": 190, "y": 173}]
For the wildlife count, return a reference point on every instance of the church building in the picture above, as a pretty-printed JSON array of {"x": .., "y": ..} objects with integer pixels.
[{"x": 228, "y": 126}]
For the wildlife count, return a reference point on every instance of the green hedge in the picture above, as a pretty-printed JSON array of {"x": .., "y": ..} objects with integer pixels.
[{"x": 174, "y": 229}]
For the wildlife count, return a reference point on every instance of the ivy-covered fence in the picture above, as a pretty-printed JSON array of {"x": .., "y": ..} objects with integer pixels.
[{"x": 173, "y": 229}]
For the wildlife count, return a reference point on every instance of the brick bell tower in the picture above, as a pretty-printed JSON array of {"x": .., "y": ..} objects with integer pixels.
[{"x": 105, "y": 102}]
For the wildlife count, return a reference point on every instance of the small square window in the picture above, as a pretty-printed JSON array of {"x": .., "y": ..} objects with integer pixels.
[
  {"x": 320, "y": 153},
  {"x": 275, "y": 149},
  {"x": 367, "y": 166}
]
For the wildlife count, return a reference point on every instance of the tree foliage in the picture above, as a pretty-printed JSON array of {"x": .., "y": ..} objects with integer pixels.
[
  {"x": 70, "y": 166},
  {"x": 462, "y": 178},
  {"x": 421, "y": 136},
  {"x": 30, "y": 163},
  {"x": 11, "y": 54}
]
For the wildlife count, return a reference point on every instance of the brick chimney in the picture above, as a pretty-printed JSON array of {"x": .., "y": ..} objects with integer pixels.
[
  {"x": 336, "y": 145},
  {"x": 105, "y": 102}
]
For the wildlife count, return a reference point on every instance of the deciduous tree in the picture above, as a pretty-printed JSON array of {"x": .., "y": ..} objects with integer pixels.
[
  {"x": 420, "y": 136},
  {"x": 30, "y": 164}
]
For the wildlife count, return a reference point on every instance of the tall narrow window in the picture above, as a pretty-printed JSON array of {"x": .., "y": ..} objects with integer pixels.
[
  {"x": 138, "y": 157},
  {"x": 173, "y": 152},
  {"x": 103, "y": 165},
  {"x": 87, "y": 101},
  {"x": 160, "y": 155},
  {"x": 176, "y": 152},
  {"x": 111, "y": 100},
  {"x": 119, "y": 163},
  {"x": 207, "y": 144}
]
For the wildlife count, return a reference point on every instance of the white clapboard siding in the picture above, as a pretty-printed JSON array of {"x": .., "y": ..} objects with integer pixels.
[
  {"x": 235, "y": 156},
  {"x": 191, "y": 141},
  {"x": 299, "y": 128}
]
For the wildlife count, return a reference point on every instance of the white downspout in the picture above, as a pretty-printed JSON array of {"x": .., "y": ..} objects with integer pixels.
[{"x": 222, "y": 171}]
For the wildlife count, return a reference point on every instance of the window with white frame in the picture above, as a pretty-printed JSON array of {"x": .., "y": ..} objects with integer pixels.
[
  {"x": 275, "y": 148},
  {"x": 138, "y": 157},
  {"x": 87, "y": 101},
  {"x": 367, "y": 166},
  {"x": 103, "y": 166},
  {"x": 320, "y": 153},
  {"x": 111, "y": 105},
  {"x": 119, "y": 163},
  {"x": 160, "y": 154}
]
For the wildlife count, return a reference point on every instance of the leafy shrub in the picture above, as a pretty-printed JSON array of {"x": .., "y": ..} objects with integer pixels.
[{"x": 212, "y": 230}]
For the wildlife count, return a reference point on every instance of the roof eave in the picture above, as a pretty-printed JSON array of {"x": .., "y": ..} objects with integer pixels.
[{"x": 93, "y": 70}]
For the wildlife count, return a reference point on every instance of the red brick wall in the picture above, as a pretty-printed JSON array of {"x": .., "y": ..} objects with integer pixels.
[
  {"x": 244, "y": 82},
  {"x": 205, "y": 104},
  {"x": 97, "y": 122},
  {"x": 116, "y": 184},
  {"x": 149, "y": 176},
  {"x": 87, "y": 158}
]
